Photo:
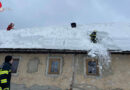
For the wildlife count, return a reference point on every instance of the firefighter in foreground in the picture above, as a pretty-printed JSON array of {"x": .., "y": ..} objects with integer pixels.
[
  {"x": 5, "y": 73},
  {"x": 93, "y": 36}
]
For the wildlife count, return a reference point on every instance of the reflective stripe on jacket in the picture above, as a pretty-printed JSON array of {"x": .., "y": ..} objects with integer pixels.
[
  {"x": 3, "y": 81},
  {"x": 4, "y": 72}
]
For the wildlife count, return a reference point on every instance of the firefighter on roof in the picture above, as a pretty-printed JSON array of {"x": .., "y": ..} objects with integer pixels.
[{"x": 93, "y": 36}]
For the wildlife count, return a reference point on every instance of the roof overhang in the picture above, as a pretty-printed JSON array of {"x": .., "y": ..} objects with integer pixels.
[
  {"x": 45, "y": 51},
  {"x": 52, "y": 51},
  {"x": 119, "y": 52}
]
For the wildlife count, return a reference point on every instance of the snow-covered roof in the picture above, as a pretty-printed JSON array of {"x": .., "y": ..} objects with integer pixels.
[{"x": 113, "y": 36}]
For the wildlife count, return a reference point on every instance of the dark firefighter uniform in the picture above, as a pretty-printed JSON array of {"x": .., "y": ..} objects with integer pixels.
[
  {"x": 5, "y": 76},
  {"x": 93, "y": 37}
]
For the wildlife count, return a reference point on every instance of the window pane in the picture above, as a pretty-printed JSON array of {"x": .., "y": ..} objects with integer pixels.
[
  {"x": 54, "y": 66},
  {"x": 15, "y": 65},
  {"x": 92, "y": 67}
]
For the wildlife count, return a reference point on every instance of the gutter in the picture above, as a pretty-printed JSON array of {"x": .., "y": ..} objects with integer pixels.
[{"x": 73, "y": 74}]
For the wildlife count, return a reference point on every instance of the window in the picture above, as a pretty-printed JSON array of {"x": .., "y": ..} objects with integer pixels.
[
  {"x": 15, "y": 65},
  {"x": 54, "y": 65},
  {"x": 92, "y": 67}
]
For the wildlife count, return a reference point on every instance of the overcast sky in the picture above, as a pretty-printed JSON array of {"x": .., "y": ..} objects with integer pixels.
[{"x": 37, "y": 13}]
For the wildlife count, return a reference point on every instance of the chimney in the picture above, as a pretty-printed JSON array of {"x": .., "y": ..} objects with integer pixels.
[{"x": 73, "y": 25}]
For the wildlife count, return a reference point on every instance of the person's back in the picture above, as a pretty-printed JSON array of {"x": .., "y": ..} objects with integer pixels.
[{"x": 5, "y": 73}]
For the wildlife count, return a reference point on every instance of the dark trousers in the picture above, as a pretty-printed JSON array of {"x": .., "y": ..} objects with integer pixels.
[
  {"x": 93, "y": 39},
  {"x": 4, "y": 87}
]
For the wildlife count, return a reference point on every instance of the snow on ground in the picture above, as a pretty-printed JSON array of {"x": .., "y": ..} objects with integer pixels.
[{"x": 112, "y": 36}]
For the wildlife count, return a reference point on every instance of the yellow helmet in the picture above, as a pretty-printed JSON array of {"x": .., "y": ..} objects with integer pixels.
[{"x": 95, "y": 31}]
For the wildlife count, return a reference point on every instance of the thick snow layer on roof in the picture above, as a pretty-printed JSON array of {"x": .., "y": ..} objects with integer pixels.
[{"x": 112, "y": 36}]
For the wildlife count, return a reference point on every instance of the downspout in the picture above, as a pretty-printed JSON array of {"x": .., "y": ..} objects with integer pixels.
[
  {"x": 73, "y": 72},
  {"x": 73, "y": 25}
]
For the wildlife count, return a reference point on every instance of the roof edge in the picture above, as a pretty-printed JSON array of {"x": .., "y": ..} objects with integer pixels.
[
  {"x": 119, "y": 52},
  {"x": 53, "y": 51},
  {"x": 41, "y": 50}
]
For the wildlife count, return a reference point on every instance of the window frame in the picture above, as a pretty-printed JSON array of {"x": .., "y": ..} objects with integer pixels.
[
  {"x": 86, "y": 60},
  {"x": 17, "y": 57},
  {"x": 49, "y": 68}
]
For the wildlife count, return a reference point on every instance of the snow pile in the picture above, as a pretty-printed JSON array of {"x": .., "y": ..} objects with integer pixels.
[
  {"x": 48, "y": 38},
  {"x": 111, "y": 36}
]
